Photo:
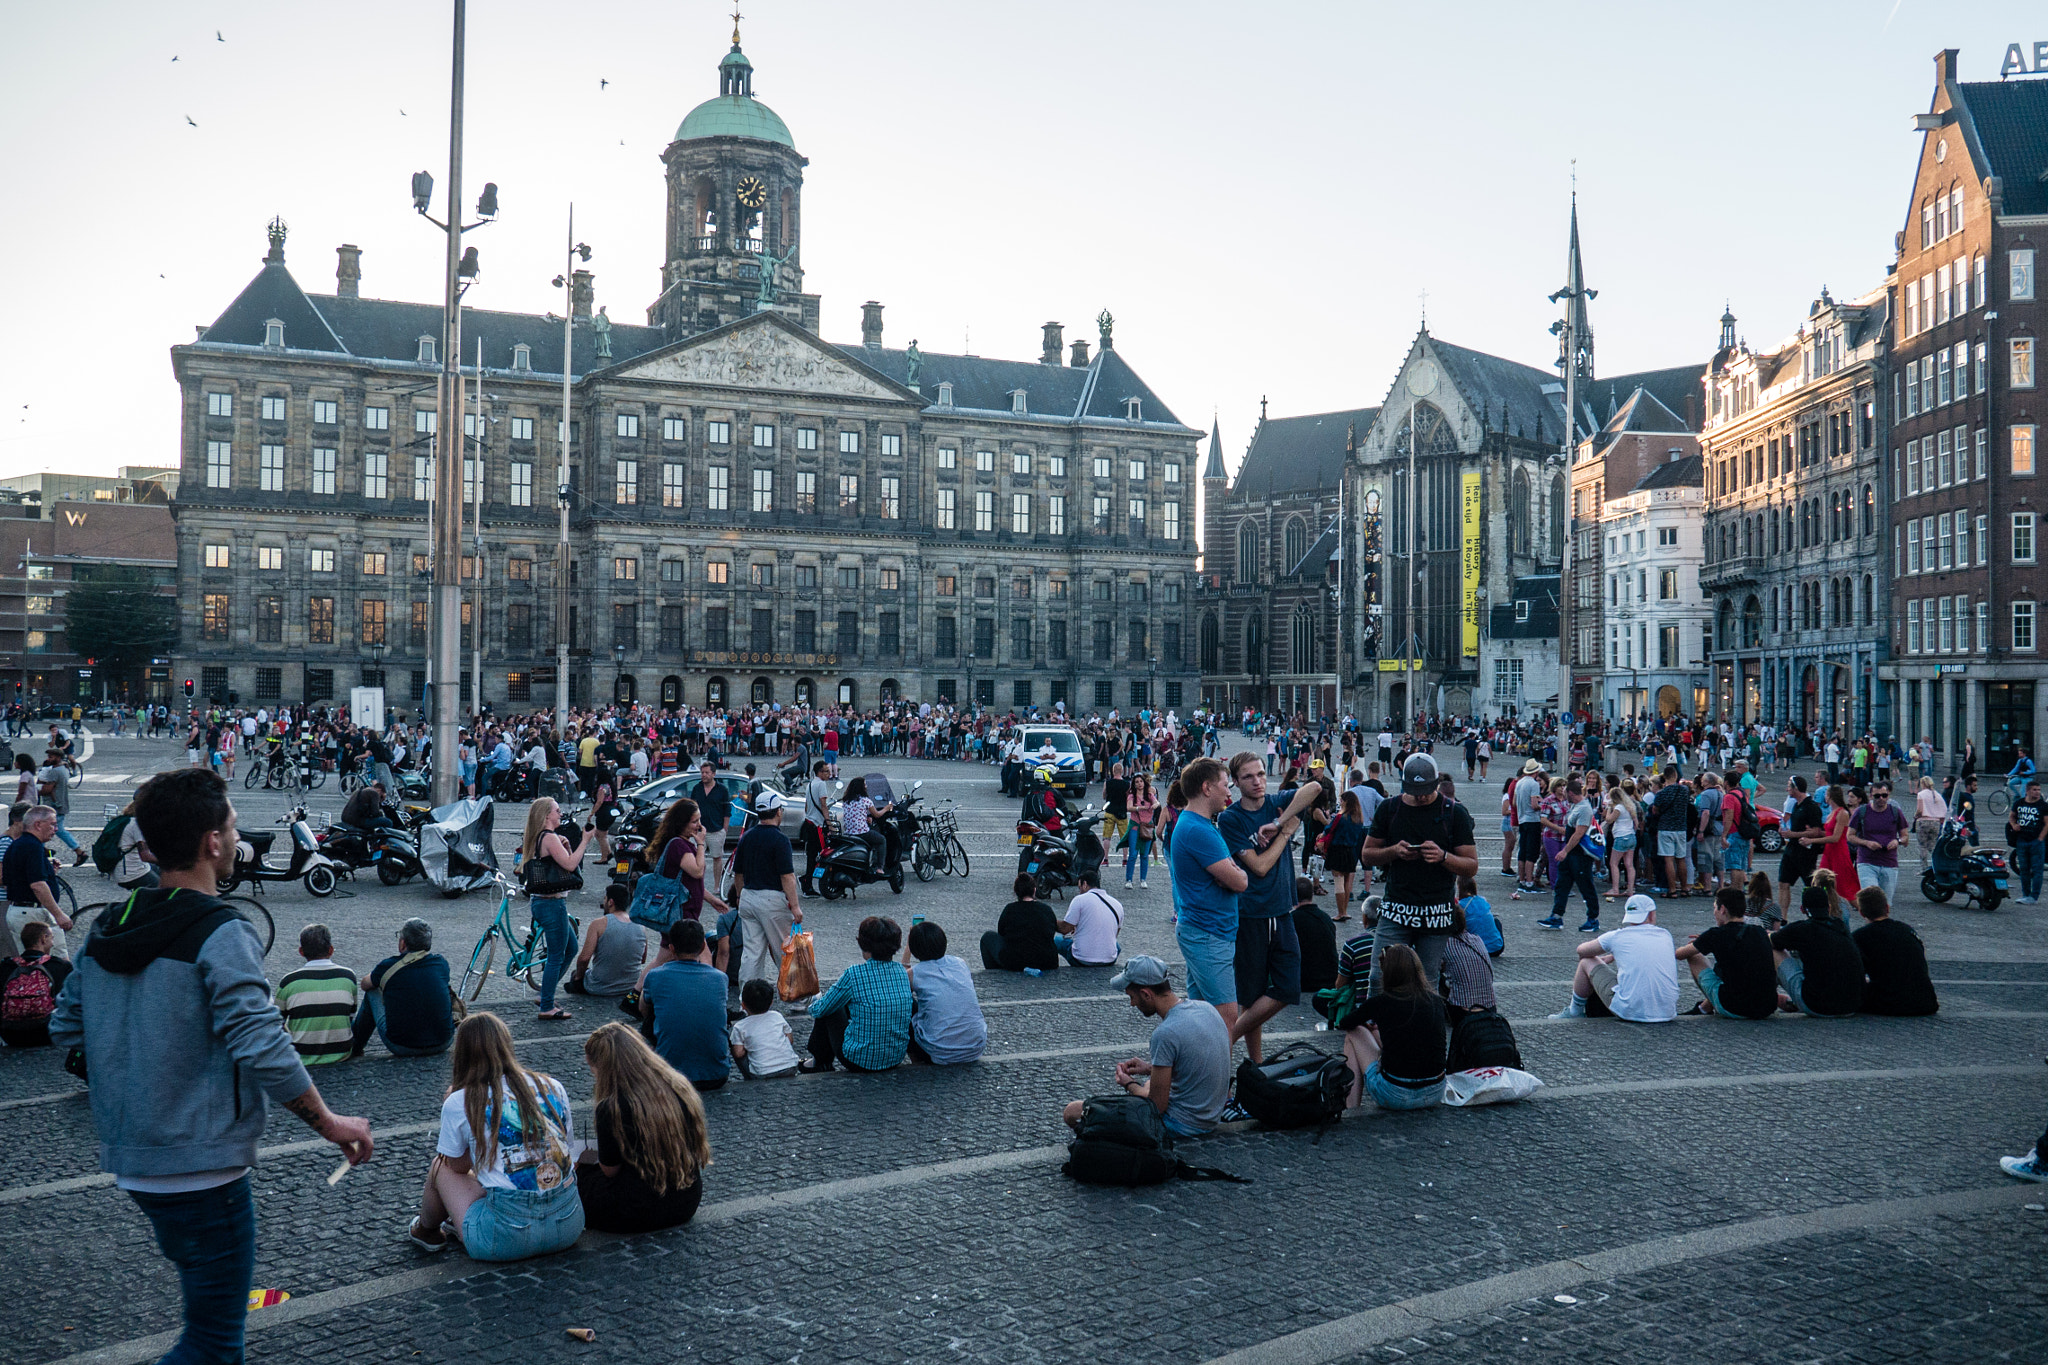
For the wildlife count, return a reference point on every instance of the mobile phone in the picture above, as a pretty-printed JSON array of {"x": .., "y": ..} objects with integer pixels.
[{"x": 916, "y": 920}]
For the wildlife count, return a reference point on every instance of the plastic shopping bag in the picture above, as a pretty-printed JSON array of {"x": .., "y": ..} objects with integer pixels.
[
  {"x": 799, "y": 976},
  {"x": 1489, "y": 1085}
]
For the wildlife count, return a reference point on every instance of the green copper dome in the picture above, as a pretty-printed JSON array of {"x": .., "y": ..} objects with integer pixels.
[{"x": 735, "y": 116}]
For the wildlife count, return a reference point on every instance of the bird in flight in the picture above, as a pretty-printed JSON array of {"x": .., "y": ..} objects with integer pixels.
[
  {"x": 401, "y": 113},
  {"x": 217, "y": 38},
  {"x": 174, "y": 59},
  {"x": 188, "y": 119},
  {"x": 602, "y": 82}
]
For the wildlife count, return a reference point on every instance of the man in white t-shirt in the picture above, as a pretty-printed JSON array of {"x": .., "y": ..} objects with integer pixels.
[
  {"x": 1632, "y": 971},
  {"x": 1088, "y": 930}
]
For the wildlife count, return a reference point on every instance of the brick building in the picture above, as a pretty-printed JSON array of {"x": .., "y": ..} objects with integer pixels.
[
  {"x": 1964, "y": 459},
  {"x": 43, "y": 552}
]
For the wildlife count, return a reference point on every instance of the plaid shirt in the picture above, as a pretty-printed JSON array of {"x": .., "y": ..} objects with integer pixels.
[
  {"x": 878, "y": 1018},
  {"x": 1468, "y": 973}
]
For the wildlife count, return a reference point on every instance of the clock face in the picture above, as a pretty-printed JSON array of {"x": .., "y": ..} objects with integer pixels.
[
  {"x": 1422, "y": 379},
  {"x": 752, "y": 193}
]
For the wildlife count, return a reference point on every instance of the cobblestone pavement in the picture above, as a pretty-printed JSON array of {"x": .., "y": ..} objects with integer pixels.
[{"x": 1788, "y": 1191}]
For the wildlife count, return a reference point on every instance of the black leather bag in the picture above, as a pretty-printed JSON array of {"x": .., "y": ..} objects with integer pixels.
[
  {"x": 547, "y": 879},
  {"x": 1297, "y": 1087}
]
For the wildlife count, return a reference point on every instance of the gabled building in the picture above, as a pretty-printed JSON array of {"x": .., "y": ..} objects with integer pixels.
[{"x": 1658, "y": 623}]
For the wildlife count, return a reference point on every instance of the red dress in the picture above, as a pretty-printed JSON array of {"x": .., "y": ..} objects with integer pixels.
[{"x": 1840, "y": 859}]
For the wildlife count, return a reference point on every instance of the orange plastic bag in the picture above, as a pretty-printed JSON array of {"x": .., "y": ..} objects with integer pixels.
[{"x": 799, "y": 976}]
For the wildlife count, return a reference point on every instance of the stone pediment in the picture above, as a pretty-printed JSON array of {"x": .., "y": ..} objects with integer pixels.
[{"x": 764, "y": 352}]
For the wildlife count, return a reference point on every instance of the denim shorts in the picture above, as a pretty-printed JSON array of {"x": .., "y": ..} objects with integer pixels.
[
  {"x": 1624, "y": 843},
  {"x": 511, "y": 1225},
  {"x": 1710, "y": 987},
  {"x": 1735, "y": 857},
  {"x": 1388, "y": 1094},
  {"x": 1211, "y": 964}
]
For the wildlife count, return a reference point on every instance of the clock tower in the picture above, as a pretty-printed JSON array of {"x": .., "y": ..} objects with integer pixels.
[{"x": 735, "y": 221}]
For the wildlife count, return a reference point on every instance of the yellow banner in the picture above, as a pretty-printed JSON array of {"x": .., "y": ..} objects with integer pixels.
[
  {"x": 1469, "y": 563},
  {"x": 1397, "y": 665}
]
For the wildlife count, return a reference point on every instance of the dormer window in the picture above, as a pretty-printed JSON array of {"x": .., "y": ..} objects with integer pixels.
[
  {"x": 1017, "y": 400},
  {"x": 1521, "y": 609},
  {"x": 522, "y": 357},
  {"x": 1133, "y": 410},
  {"x": 945, "y": 395},
  {"x": 273, "y": 332},
  {"x": 426, "y": 353}
]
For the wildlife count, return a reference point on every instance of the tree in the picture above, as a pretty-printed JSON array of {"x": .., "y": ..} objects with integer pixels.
[{"x": 119, "y": 619}]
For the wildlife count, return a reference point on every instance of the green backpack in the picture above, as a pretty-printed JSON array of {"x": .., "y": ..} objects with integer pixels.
[{"x": 106, "y": 850}]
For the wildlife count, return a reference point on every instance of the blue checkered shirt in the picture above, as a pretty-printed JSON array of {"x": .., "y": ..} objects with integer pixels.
[{"x": 878, "y": 1022}]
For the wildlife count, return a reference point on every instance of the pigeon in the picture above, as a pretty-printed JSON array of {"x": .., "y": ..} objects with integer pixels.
[
  {"x": 188, "y": 119},
  {"x": 217, "y": 38},
  {"x": 174, "y": 59},
  {"x": 602, "y": 82}
]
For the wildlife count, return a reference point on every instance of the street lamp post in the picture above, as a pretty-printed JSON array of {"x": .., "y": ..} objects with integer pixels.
[
  {"x": 619, "y": 673},
  {"x": 566, "y": 282}
]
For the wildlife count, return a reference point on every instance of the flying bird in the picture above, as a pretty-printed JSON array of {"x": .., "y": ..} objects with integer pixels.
[
  {"x": 401, "y": 113},
  {"x": 174, "y": 59},
  {"x": 217, "y": 38},
  {"x": 188, "y": 119},
  {"x": 602, "y": 82}
]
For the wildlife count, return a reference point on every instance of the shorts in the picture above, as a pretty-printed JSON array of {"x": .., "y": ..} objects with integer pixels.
[
  {"x": 1389, "y": 1093},
  {"x": 1341, "y": 860},
  {"x": 1672, "y": 843},
  {"x": 1268, "y": 960},
  {"x": 511, "y": 1225},
  {"x": 1796, "y": 868},
  {"x": 1530, "y": 847},
  {"x": 1210, "y": 960},
  {"x": 1710, "y": 986},
  {"x": 1605, "y": 977},
  {"x": 1624, "y": 843},
  {"x": 1735, "y": 857}
]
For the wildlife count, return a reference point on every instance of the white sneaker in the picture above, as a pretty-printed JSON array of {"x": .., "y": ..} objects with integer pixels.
[
  {"x": 1144, "y": 885},
  {"x": 1127, "y": 883},
  {"x": 2026, "y": 1167},
  {"x": 1572, "y": 1011}
]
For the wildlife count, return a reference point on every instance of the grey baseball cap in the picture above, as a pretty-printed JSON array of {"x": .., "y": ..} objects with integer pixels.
[
  {"x": 1419, "y": 775},
  {"x": 1140, "y": 971}
]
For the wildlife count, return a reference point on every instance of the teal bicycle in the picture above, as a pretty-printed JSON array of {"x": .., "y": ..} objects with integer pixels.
[{"x": 524, "y": 959}]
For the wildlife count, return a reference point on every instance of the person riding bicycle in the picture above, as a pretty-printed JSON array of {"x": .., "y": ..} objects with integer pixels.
[{"x": 2022, "y": 771}]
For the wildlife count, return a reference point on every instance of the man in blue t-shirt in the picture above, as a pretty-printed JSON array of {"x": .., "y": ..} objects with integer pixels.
[
  {"x": 1259, "y": 832},
  {"x": 1206, "y": 883},
  {"x": 684, "y": 999}
]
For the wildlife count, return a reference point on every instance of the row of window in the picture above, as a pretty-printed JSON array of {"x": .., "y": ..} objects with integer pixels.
[
  {"x": 1835, "y": 433},
  {"x": 1955, "y": 287},
  {"x": 1811, "y": 523},
  {"x": 1631, "y": 649},
  {"x": 1941, "y": 217},
  {"x": 1667, "y": 537},
  {"x": 1943, "y": 459},
  {"x": 1618, "y": 586},
  {"x": 1939, "y": 543},
  {"x": 1941, "y": 625}
]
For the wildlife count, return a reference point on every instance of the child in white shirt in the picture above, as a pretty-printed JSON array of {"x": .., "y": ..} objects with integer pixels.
[{"x": 761, "y": 1042}]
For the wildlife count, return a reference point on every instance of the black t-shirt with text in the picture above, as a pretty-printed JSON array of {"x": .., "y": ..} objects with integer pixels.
[
  {"x": 1417, "y": 881},
  {"x": 2025, "y": 824},
  {"x": 1742, "y": 959}
]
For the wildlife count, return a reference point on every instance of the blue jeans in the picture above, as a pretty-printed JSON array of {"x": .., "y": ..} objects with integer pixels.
[
  {"x": 1388, "y": 1094},
  {"x": 2026, "y": 864},
  {"x": 65, "y": 834},
  {"x": 1065, "y": 944},
  {"x": 370, "y": 1019},
  {"x": 1138, "y": 855},
  {"x": 553, "y": 918},
  {"x": 210, "y": 1235}
]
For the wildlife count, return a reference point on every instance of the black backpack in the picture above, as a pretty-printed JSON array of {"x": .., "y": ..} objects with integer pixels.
[
  {"x": 1122, "y": 1141},
  {"x": 1483, "y": 1038},
  {"x": 1746, "y": 826},
  {"x": 1297, "y": 1087}
]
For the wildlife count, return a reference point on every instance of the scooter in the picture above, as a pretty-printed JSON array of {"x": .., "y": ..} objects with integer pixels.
[
  {"x": 847, "y": 865},
  {"x": 252, "y": 864},
  {"x": 1979, "y": 874},
  {"x": 1055, "y": 861},
  {"x": 395, "y": 853}
]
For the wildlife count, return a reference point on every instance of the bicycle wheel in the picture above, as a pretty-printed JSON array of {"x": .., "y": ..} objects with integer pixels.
[
  {"x": 479, "y": 968},
  {"x": 1999, "y": 801},
  {"x": 83, "y": 921},
  {"x": 350, "y": 780},
  {"x": 66, "y": 898},
  {"x": 316, "y": 779},
  {"x": 254, "y": 775},
  {"x": 253, "y": 911},
  {"x": 955, "y": 855},
  {"x": 922, "y": 860}
]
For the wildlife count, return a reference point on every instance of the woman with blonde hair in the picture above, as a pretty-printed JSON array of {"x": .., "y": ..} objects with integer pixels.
[
  {"x": 645, "y": 1173},
  {"x": 501, "y": 1182},
  {"x": 1929, "y": 810},
  {"x": 551, "y": 870},
  {"x": 1624, "y": 818}
]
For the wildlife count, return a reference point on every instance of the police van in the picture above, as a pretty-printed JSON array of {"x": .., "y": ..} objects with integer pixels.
[{"x": 1071, "y": 768}]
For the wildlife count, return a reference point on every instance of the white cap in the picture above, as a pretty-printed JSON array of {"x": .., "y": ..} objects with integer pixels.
[{"x": 1638, "y": 909}]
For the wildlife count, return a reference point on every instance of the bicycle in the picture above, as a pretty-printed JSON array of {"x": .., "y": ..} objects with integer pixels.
[
  {"x": 523, "y": 961},
  {"x": 952, "y": 855},
  {"x": 250, "y": 910},
  {"x": 2000, "y": 799}
]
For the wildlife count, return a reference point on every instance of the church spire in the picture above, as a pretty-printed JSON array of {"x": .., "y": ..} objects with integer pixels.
[
  {"x": 1574, "y": 331},
  {"x": 1214, "y": 468}
]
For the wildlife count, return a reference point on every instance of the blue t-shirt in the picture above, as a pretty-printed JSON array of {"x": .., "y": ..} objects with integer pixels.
[
  {"x": 689, "y": 1018},
  {"x": 1272, "y": 895},
  {"x": 1200, "y": 900},
  {"x": 28, "y": 862},
  {"x": 1479, "y": 920}
]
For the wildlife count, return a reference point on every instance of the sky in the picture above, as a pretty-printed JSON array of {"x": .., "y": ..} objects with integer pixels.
[{"x": 1263, "y": 196}]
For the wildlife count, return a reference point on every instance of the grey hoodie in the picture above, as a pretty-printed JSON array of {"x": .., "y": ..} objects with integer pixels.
[{"x": 182, "y": 1041}]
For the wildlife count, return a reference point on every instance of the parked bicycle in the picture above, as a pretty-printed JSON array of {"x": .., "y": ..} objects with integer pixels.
[
  {"x": 524, "y": 958},
  {"x": 937, "y": 847}
]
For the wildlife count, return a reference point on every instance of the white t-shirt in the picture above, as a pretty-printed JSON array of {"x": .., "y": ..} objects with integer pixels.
[
  {"x": 519, "y": 1160},
  {"x": 766, "y": 1038},
  {"x": 1646, "y": 963},
  {"x": 1096, "y": 917}
]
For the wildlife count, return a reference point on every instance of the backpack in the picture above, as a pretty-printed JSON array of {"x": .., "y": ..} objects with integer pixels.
[
  {"x": 1122, "y": 1141},
  {"x": 106, "y": 850},
  {"x": 30, "y": 995},
  {"x": 1296, "y": 1087},
  {"x": 658, "y": 901},
  {"x": 1483, "y": 1038},
  {"x": 1746, "y": 826},
  {"x": 1692, "y": 818}
]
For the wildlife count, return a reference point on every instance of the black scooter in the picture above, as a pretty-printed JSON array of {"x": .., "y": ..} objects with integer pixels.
[
  {"x": 848, "y": 864},
  {"x": 1055, "y": 861},
  {"x": 252, "y": 862},
  {"x": 394, "y": 852},
  {"x": 1979, "y": 875}
]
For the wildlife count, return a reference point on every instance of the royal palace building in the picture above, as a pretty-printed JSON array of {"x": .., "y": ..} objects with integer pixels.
[{"x": 755, "y": 514}]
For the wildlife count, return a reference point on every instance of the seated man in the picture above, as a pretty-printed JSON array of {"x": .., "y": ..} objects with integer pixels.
[
  {"x": 1187, "y": 1076},
  {"x": 683, "y": 997},
  {"x": 406, "y": 1000},
  {"x": 1739, "y": 981},
  {"x": 28, "y": 988},
  {"x": 319, "y": 1000},
  {"x": 863, "y": 1019},
  {"x": 1479, "y": 916},
  {"x": 1894, "y": 960},
  {"x": 1630, "y": 973},
  {"x": 365, "y": 809},
  {"x": 1088, "y": 932},
  {"x": 1024, "y": 933},
  {"x": 1818, "y": 965},
  {"x": 1467, "y": 972},
  {"x": 946, "y": 1026}
]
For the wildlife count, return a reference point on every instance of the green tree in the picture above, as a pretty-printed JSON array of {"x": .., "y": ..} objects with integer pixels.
[{"x": 119, "y": 619}]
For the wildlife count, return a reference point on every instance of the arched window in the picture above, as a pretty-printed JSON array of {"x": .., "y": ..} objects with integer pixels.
[
  {"x": 1295, "y": 544},
  {"x": 763, "y": 691},
  {"x": 1869, "y": 603},
  {"x": 1752, "y": 622},
  {"x": 1247, "y": 552},
  {"x": 1212, "y": 644},
  {"x": 1869, "y": 510},
  {"x": 786, "y": 220},
  {"x": 1557, "y": 517},
  {"x": 889, "y": 690},
  {"x": 705, "y": 217},
  {"x": 1302, "y": 641},
  {"x": 1519, "y": 514},
  {"x": 1726, "y": 633},
  {"x": 1255, "y": 646}
]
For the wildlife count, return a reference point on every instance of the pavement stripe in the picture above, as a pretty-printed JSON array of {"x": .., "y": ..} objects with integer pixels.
[{"x": 1345, "y": 1337}]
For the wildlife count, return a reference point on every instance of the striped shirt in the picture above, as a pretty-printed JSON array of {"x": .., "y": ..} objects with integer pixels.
[
  {"x": 318, "y": 1002},
  {"x": 1468, "y": 973}
]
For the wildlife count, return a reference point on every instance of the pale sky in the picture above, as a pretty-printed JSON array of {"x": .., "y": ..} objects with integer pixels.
[{"x": 1259, "y": 193}]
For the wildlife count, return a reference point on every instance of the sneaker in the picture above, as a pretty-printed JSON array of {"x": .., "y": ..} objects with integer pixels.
[
  {"x": 1144, "y": 885},
  {"x": 1591, "y": 926},
  {"x": 1127, "y": 883},
  {"x": 1551, "y": 923},
  {"x": 2026, "y": 1167},
  {"x": 1572, "y": 1011},
  {"x": 1505, "y": 873},
  {"x": 1233, "y": 1113}
]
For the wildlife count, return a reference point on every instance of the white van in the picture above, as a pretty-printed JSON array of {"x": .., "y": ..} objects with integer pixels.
[{"x": 1067, "y": 757}]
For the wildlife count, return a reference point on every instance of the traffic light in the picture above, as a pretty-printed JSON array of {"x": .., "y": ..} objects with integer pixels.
[{"x": 188, "y": 687}]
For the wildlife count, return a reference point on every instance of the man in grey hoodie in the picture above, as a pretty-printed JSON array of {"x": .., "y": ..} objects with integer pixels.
[{"x": 183, "y": 1048}]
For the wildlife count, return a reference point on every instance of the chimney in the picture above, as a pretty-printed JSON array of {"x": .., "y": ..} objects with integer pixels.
[
  {"x": 348, "y": 271},
  {"x": 1049, "y": 352},
  {"x": 580, "y": 294},
  {"x": 871, "y": 325},
  {"x": 1078, "y": 357}
]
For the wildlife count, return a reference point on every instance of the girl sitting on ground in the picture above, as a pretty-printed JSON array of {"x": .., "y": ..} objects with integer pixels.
[{"x": 645, "y": 1173}]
